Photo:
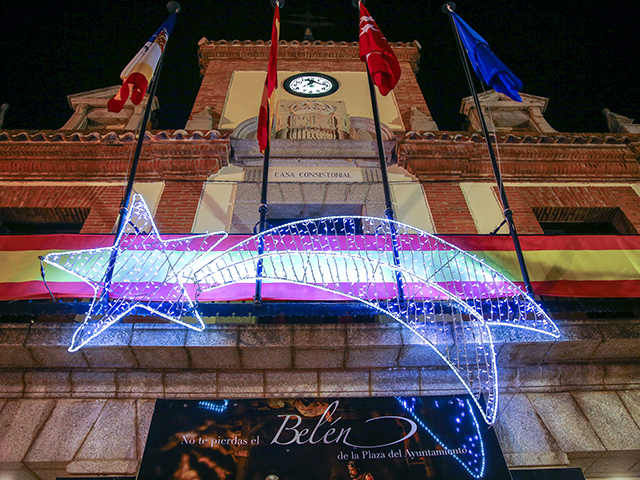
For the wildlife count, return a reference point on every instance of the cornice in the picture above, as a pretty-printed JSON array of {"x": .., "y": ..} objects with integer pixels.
[
  {"x": 37, "y": 136},
  {"x": 74, "y": 155},
  {"x": 223, "y": 49},
  {"x": 544, "y": 139},
  {"x": 444, "y": 156}
]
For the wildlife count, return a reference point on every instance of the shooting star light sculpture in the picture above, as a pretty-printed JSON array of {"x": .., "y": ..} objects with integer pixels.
[
  {"x": 447, "y": 297},
  {"x": 148, "y": 273}
]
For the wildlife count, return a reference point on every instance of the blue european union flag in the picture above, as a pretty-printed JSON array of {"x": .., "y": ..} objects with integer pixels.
[{"x": 489, "y": 68}]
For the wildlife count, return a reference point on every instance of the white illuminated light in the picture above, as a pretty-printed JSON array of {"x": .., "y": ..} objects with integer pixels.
[
  {"x": 451, "y": 298},
  {"x": 147, "y": 269},
  {"x": 217, "y": 407},
  {"x": 476, "y": 471}
]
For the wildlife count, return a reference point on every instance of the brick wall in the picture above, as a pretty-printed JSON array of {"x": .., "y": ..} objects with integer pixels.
[
  {"x": 215, "y": 84},
  {"x": 449, "y": 209},
  {"x": 408, "y": 94},
  {"x": 175, "y": 214},
  {"x": 216, "y": 79},
  {"x": 523, "y": 199},
  {"x": 177, "y": 208},
  {"x": 102, "y": 200}
]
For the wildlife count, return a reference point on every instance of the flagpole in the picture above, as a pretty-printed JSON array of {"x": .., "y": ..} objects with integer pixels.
[
  {"x": 385, "y": 185},
  {"x": 263, "y": 209},
  {"x": 173, "y": 7},
  {"x": 262, "y": 225},
  {"x": 448, "y": 9}
]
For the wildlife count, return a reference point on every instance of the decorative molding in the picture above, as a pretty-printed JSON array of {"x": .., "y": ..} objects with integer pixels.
[
  {"x": 432, "y": 156},
  {"x": 407, "y": 52},
  {"x": 592, "y": 157},
  {"x": 503, "y": 114},
  {"x": 38, "y": 155},
  {"x": 619, "y": 123},
  {"x": 108, "y": 137}
]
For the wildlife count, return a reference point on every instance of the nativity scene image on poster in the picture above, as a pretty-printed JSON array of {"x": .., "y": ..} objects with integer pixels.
[{"x": 399, "y": 438}]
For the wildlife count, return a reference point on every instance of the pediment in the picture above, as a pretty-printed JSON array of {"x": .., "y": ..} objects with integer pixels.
[
  {"x": 506, "y": 115},
  {"x": 91, "y": 111},
  {"x": 492, "y": 97},
  {"x": 98, "y": 97}
]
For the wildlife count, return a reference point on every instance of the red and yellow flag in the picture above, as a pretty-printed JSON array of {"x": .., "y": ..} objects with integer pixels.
[
  {"x": 140, "y": 70},
  {"x": 270, "y": 84},
  {"x": 600, "y": 266}
]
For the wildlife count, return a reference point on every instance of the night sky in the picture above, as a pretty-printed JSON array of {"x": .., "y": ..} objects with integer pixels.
[{"x": 584, "y": 55}]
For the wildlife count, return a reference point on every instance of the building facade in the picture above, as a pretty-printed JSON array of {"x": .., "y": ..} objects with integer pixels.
[{"x": 574, "y": 401}]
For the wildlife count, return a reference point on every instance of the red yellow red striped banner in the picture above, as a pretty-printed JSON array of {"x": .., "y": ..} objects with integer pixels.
[{"x": 564, "y": 266}]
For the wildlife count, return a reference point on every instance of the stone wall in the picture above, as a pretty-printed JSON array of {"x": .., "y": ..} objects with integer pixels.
[{"x": 570, "y": 402}]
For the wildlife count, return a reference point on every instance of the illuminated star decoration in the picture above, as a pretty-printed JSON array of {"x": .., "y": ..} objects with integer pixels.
[
  {"x": 148, "y": 273},
  {"x": 463, "y": 432},
  {"x": 450, "y": 298}
]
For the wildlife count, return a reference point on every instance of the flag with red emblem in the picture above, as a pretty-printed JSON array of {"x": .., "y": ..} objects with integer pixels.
[
  {"x": 270, "y": 84},
  {"x": 140, "y": 70},
  {"x": 376, "y": 51}
]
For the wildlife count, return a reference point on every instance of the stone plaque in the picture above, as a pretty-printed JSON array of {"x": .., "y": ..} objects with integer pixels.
[{"x": 315, "y": 174}]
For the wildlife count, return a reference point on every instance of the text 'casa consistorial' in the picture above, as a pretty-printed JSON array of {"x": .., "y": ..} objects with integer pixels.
[{"x": 316, "y": 174}]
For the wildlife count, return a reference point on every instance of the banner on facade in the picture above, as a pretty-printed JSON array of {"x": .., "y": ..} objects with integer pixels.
[
  {"x": 399, "y": 438},
  {"x": 564, "y": 266}
]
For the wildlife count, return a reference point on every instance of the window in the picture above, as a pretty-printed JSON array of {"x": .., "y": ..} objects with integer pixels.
[
  {"x": 37, "y": 221},
  {"x": 583, "y": 221},
  {"x": 282, "y": 214}
]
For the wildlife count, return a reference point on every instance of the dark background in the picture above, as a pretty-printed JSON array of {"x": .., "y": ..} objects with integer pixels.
[
  {"x": 582, "y": 55},
  {"x": 447, "y": 417}
]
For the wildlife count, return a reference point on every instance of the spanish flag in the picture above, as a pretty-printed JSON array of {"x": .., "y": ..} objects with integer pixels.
[
  {"x": 596, "y": 266},
  {"x": 140, "y": 70},
  {"x": 270, "y": 84}
]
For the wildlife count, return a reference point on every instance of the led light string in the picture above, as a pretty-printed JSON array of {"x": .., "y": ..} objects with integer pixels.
[
  {"x": 479, "y": 470},
  {"x": 445, "y": 301},
  {"x": 326, "y": 272},
  {"x": 145, "y": 265},
  {"x": 217, "y": 407}
]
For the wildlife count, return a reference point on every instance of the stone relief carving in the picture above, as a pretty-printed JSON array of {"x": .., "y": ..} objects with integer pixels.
[
  {"x": 246, "y": 130},
  {"x": 361, "y": 128},
  {"x": 312, "y": 120}
]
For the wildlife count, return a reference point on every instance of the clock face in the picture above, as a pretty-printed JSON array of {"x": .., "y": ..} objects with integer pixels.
[{"x": 311, "y": 85}]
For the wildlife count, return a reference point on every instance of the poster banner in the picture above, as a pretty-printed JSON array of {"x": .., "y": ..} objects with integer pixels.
[{"x": 373, "y": 438}]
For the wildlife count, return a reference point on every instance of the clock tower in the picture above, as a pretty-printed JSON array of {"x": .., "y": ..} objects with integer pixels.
[
  {"x": 323, "y": 158},
  {"x": 233, "y": 76}
]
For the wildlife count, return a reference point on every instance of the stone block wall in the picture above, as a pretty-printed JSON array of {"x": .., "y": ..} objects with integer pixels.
[{"x": 568, "y": 402}]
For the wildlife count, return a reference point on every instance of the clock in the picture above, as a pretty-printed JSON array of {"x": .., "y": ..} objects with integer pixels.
[{"x": 311, "y": 85}]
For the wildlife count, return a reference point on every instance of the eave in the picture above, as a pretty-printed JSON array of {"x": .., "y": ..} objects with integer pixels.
[
  {"x": 442, "y": 156},
  {"x": 76, "y": 156}
]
